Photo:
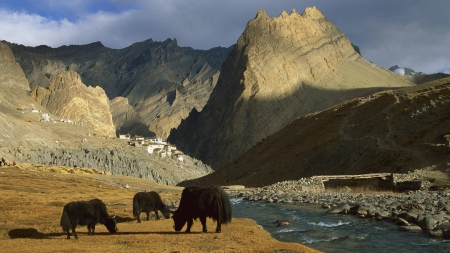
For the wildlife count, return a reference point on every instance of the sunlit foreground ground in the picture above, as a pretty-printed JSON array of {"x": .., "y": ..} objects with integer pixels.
[{"x": 32, "y": 198}]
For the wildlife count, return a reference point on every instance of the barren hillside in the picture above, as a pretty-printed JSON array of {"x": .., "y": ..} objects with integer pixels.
[{"x": 390, "y": 131}]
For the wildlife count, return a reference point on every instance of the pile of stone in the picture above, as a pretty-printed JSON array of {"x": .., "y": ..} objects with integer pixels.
[
  {"x": 421, "y": 210},
  {"x": 411, "y": 180},
  {"x": 309, "y": 184}
]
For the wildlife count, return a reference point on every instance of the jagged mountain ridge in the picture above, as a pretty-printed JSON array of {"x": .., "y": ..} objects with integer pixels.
[
  {"x": 280, "y": 69},
  {"x": 393, "y": 131},
  {"x": 161, "y": 81}
]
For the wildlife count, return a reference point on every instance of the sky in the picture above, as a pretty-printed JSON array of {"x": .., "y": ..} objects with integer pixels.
[{"x": 409, "y": 33}]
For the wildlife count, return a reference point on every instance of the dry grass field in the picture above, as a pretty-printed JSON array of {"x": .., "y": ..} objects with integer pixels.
[{"x": 33, "y": 196}]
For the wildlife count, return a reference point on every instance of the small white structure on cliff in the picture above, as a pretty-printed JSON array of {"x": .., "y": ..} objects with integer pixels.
[
  {"x": 155, "y": 146},
  {"x": 124, "y": 136},
  {"x": 45, "y": 117}
]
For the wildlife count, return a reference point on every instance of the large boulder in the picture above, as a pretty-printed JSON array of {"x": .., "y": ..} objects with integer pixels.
[{"x": 428, "y": 223}]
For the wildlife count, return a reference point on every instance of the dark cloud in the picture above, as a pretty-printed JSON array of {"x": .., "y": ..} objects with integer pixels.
[{"x": 412, "y": 34}]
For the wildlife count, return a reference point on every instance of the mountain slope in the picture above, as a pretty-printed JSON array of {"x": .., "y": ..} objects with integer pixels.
[
  {"x": 161, "y": 81},
  {"x": 26, "y": 138},
  {"x": 280, "y": 69},
  {"x": 390, "y": 131}
]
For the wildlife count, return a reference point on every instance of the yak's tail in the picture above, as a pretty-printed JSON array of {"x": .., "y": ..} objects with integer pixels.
[
  {"x": 136, "y": 208},
  {"x": 65, "y": 220},
  {"x": 226, "y": 213}
]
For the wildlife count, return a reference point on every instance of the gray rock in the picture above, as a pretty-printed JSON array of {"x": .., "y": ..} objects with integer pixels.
[
  {"x": 410, "y": 228},
  {"x": 341, "y": 209},
  {"x": 445, "y": 230},
  {"x": 411, "y": 217},
  {"x": 428, "y": 223},
  {"x": 284, "y": 224}
]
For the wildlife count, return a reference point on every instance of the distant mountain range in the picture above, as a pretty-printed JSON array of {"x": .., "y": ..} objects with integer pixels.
[
  {"x": 152, "y": 85},
  {"x": 417, "y": 77},
  {"x": 405, "y": 71}
]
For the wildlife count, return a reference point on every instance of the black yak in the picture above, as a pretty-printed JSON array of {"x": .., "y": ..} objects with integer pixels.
[
  {"x": 147, "y": 202},
  {"x": 202, "y": 202},
  {"x": 86, "y": 213}
]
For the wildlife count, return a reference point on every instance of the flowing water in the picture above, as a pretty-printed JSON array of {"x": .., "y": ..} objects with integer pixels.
[{"x": 311, "y": 226}]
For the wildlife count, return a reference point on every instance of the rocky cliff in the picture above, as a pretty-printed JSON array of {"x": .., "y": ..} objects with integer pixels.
[
  {"x": 393, "y": 131},
  {"x": 68, "y": 98},
  {"x": 11, "y": 74},
  {"x": 161, "y": 81},
  {"x": 280, "y": 69}
]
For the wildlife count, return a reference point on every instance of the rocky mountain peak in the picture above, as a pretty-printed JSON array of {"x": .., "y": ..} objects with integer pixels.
[
  {"x": 273, "y": 40},
  {"x": 312, "y": 13},
  {"x": 280, "y": 69},
  {"x": 68, "y": 98},
  {"x": 261, "y": 14}
]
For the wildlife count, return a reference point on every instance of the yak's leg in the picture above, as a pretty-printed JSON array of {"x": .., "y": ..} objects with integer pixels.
[
  {"x": 138, "y": 217},
  {"x": 219, "y": 224},
  {"x": 189, "y": 225},
  {"x": 74, "y": 225},
  {"x": 156, "y": 213},
  {"x": 148, "y": 215},
  {"x": 203, "y": 221},
  {"x": 93, "y": 228}
]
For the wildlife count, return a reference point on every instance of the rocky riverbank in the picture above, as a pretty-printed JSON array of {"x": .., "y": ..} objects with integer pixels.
[{"x": 414, "y": 211}]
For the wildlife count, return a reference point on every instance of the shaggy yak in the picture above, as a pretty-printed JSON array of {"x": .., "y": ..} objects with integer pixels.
[
  {"x": 86, "y": 213},
  {"x": 147, "y": 202},
  {"x": 202, "y": 202}
]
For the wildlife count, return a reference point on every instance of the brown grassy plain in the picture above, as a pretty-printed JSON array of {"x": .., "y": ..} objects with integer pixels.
[{"x": 32, "y": 198}]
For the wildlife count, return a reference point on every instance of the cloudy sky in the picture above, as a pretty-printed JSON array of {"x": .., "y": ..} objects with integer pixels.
[{"x": 408, "y": 33}]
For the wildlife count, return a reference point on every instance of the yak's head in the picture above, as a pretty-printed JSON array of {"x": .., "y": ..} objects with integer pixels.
[
  {"x": 166, "y": 211},
  {"x": 178, "y": 221},
  {"x": 111, "y": 224}
]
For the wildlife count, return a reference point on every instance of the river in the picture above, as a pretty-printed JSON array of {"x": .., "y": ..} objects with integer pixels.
[{"x": 312, "y": 226}]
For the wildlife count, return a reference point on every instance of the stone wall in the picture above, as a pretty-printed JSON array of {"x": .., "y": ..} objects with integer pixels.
[{"x": 410, "y": 181}]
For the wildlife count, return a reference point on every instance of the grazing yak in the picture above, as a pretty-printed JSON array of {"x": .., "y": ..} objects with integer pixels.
[
  {"x": 147, "y": 202},
  {"x": 202, "y": 202},
  {"x": 86, "y": 213}
]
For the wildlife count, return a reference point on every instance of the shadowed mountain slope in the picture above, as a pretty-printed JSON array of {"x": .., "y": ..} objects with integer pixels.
[
  {"x": 280, "y": 69},
  {"x": 390, "y": 131},
  {"x": 161, "y": 81}
]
